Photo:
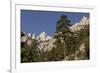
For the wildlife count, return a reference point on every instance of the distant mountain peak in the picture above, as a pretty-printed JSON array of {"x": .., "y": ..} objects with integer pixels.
[
  {"x": 42, "y": 34},
  {"x": 84, "y": 21},
  {"x": 77, "y": 26}
]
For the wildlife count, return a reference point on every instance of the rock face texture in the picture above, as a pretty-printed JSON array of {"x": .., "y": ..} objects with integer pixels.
[{"x": 78, "y": 26}]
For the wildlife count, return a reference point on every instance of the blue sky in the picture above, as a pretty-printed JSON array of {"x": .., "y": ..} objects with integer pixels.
[{"x": 45, "y": 21}]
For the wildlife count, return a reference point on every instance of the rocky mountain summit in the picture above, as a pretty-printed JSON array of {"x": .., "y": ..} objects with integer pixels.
[
  {"x": 43, "y": 39},
  {"x": 78, "y": 26}
]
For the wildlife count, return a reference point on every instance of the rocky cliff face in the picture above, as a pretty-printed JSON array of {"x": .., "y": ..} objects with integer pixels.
[{"x": 78, "y": 26}]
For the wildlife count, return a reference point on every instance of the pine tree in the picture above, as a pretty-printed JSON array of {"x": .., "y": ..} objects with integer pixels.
[{"x": 64, "y": 42}]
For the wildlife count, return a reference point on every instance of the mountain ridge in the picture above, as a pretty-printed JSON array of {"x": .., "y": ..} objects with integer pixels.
[{"x": 43, "y": 37}]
